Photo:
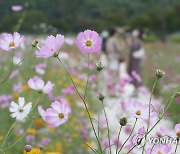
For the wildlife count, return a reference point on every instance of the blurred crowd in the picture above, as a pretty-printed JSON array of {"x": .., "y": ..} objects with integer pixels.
[{"x": 115, "y": 41}]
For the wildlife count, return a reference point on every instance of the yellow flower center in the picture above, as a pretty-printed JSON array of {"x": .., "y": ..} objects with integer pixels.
[
  {"x": 178, "y": 133},
  {"x": 88, "y": 43},
  {"x": 159, "y": 152},
  {"x": 11, "y": 44},
  {"x": 61, "y": 116},
  {"x": 138, "y": 112}
]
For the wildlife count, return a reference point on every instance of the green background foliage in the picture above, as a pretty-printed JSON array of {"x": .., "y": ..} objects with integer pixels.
[{"x": 159, "y": 16}]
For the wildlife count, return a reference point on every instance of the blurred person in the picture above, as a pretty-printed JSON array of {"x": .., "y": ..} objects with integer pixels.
[
  {"x": 135, "y": 58},
  {"x": 113, "y": 49},
  {"x": 103, "y": 56},
  {"x": 104, "y": 36}
]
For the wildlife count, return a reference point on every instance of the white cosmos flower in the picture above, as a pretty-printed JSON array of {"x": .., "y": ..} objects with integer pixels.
[{"x": 20, "y": 111}]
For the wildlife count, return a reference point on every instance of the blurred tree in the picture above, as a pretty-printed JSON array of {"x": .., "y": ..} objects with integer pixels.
[{"x": 160, "y": 16}]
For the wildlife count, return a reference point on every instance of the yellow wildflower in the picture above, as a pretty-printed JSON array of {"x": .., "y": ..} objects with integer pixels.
[
  {"x": 31, "y": 131},
  {"x": 1, "y": 138},
  {"x": 15, "y": 95},
  {"x": 53, "y": 153},
  {"x": 74, "y": 135},
  {"x": 25, "y": 88},
  {"x": 38, "y": 123},
  {"x": 34, "y": 151}
]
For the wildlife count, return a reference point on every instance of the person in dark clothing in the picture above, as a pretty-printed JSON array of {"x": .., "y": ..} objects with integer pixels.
[{"x": 135, "y": 57}]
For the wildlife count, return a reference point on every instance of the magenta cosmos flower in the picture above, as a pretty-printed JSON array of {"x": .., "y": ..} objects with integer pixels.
[
  {"x": 9, "y": 41},
  {"x": 38, "y": 84},
  {"x": 51, "y": 47},
  {"x": 159, "y": 149},
  {"x": 89, "y": 41},
  {"x": 139, "y": 110},
  {"x": 170, "y": 134},
  {"x": 56, "y": 115}
]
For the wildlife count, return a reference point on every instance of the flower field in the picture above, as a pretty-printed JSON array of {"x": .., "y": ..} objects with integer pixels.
[{"x": 56, "y": 98}]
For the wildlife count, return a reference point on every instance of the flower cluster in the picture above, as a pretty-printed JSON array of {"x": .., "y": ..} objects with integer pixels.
[{"x": 58, "y": 111}]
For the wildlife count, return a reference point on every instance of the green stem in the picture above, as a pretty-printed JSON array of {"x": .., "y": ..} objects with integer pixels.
[
  {"x": 37, "y": 101},
  {"x": 85, "y": 93},
  {"x": 128, "y": 136},
  {"x": 118, "y": 139},
  {"x": 2, "y": 151},
  {"x": 176, "y": 145},
  {"x": 11, "y": 69},
  {"x": 172, "y": 98},
  {"x": 21, "y": 19},
  {"x": 149, "y": 113},
  {"x": 81, "y": 138},
  {"x": 131, "y": 149},
  {"x": 84, "y": 101},
  {"x": 152, "y": 148},
  {"x": 109, "y": 138},
  {"x": 13, "y": 125},
  {"x": 98, "y": 109},
  {"x": 20, "y": 137}
]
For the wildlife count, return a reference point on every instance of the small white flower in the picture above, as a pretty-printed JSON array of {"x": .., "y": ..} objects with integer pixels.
[{"x": 20, "y": 111}]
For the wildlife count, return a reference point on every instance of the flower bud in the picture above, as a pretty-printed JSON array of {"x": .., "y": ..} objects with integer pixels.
[
  {"x": 177, "y": 94},
  {"x": 41, "y": 147},
  {"x": 99, "y": 67},
  {"x": 101, "y": 97},
  {"x": 56, "y": 55},
  {"x": 28, "y": 148},
  {"x": 34, "y": 117},
  {"x": 159, "y": 73},
  {"x": 35, "y": 43},
  {"x": 123, "y": 121}
]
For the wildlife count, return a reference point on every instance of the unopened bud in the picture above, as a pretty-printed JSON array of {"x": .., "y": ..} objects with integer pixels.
[
  {"x": 123, "y": 121},
  {"x": 41, "y": 147},
  {"x": 34, "y": 117},
  {"x": 99, "y": 67},
  {"x": 159, "y": 73},
  {"x": 101, "y": 97},
  {"x": 28, "y": 148},
  {"x": 35, "y": 43},
  {"x": 177, "y": 94}
]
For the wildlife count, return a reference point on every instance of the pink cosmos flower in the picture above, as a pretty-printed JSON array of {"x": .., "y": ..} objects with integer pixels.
[
  {"x": 89, "y": 41},
  {"x": 159, "y": 149},
  {"x": 56, "y": 115},
  {"x": 136, "y": 76},
  {"x": 117, "y": 143},
  {"x": 44, "y": 142},
  {"x": 93, "y": 78},
  {"x": 38, "y": 84},
  {"x": 69, "y": 91},
  {"x": 30, "y": 138},
  {"x": 17, "y": 8},
  {"x": 51, "y": 47},
  {"x": 105, "y": 143},
  {"x": 139, "y": 110},
  {"x": 42, "y": 112},
  {"x": 14, "y": 74},
  {"x": 9, "y": 41},
  {"x": 133, "y": 140},
  {"x": 40, "y": 68},
  {"x": 170, "y": 134}
]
